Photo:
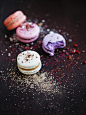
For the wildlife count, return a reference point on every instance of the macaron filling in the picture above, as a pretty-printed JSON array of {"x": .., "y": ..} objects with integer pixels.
[
  {"x": 29, "y": 62},
  {"x": 54, "y": 45},
  {"x": 47, "y": 49},
  {"x": 30, "y": 69},
  {"x": 27, "y": 39}
]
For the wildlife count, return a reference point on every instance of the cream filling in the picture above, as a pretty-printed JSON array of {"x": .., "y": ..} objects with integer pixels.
[
  {"x": 15, "y": 20},
  {"x": 28, "y": 38},
  {"x": 30, "y": 69},
  {"x": 25, "y": 39}
]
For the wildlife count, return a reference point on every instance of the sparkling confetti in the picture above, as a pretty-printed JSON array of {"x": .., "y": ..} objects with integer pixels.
[
  {"x": 9, "y": 54},
  {"x": 70, "y": 40},
  {"x": 76, "y": 45},
  {"x": 57, "y": 77},
  {"x": 5, "y": 36}
]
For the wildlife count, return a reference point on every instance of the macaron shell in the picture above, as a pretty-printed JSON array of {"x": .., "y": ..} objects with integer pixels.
[
  {"x": 27, "y": 40},
  {"x": 17, "y": 23},
  {"x": 12, "y": 18},
  {"x": 32, "y": 32},
  {"x": 53, "y": 41},
  {"x": 31, "y": 71},
  {"x": 54, "y": 37},
  {"x": 47, "y": 51},
  {"x": 33, "y": 59},
  {"x": 29, "y": 62}
]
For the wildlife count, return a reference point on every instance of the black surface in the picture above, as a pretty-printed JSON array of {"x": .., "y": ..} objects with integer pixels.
[{"x": 66, "y": 71}]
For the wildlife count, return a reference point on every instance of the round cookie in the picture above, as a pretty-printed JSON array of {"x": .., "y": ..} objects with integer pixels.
[
  {"x": 27, "y": 32},
  {"x": 14, "y": 20},
  {"x": 29, "y": 62},
  {"x": 53, "y": 41}
]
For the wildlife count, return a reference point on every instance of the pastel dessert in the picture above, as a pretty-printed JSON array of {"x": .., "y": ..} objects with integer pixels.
[
  {"x": 53, "y": 41},
  {"x": 14, "y": 20},
  {"x": 27, "y": 32},
  {"x": 29, "y": 62}
]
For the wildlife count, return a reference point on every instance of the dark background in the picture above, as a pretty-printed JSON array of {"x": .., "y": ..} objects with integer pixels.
[{"x": 67, "y": 67}]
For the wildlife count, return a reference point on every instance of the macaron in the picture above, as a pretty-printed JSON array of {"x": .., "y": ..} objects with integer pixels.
[
  {"x": 27, "y": 32},
  {"x": 28, "y": 62},
  {"x": 53, "y": 41},
  {"x": 14, "y": 20}
]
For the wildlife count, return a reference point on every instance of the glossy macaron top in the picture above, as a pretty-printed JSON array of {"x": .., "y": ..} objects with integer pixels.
[
  {"x": 27, "y": 30},
  {"x": 14, "y": 20}
]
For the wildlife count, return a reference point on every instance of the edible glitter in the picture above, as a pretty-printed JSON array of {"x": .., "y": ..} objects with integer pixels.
[
  {"x": 48, "y": 30},
  {"x": 43, "y": 21},
  {"x": 51, "y": 32},
  {"x": 9, "y": 54},
  {"x": 56, "y": 79},
  {"x": 5, "y": 36},
  {"x": 70, "y": 40},
  {"x": 23, "y": 27}
]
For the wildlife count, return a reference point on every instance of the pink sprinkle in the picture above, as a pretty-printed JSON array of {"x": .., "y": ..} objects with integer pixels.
[
  {"x": 11, "y": 10},
  {"x": 67, "y": 53},
  {"x": 32, "y": 26},
  {"x": 77, "y": 51},
  {"x": 46, "y": 26},
  {"x": 83, "y": 51},
  {"x": 27, "y": 47},
  {"x": 46, "y": 64},
  {"x": 75, "y": 45},
  {"x": 84, "y": 62},
  {"x": 61, "y": 82},
  {"x": 73, "y": 52},
  {"x": 56, "y": 76}
]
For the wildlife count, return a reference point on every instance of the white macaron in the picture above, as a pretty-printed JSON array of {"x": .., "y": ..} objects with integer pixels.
[{"x": 29, "y": 62}]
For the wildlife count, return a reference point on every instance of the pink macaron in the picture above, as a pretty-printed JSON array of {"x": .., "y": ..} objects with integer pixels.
[{"x": 27, "y": 32}]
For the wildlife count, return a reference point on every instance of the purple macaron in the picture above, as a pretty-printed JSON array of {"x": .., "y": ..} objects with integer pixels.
[{"x": 53, "y": 41}]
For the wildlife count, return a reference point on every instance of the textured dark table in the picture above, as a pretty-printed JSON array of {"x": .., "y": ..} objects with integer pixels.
[{"x": 59, "y": 88}]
